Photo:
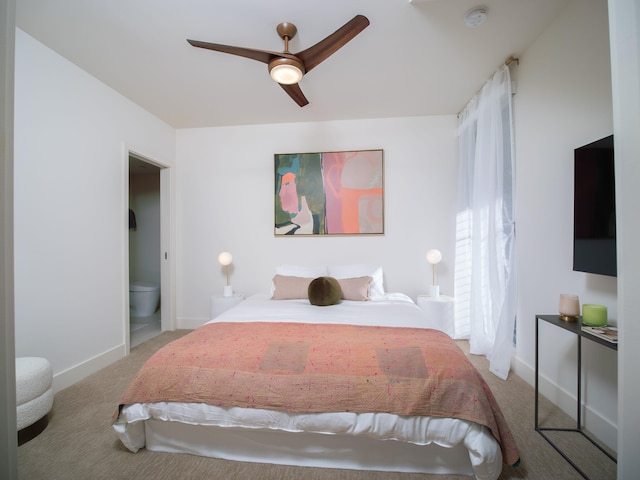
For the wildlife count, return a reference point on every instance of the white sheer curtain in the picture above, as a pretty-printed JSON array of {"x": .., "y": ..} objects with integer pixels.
[{"x": 485, "y": 279}]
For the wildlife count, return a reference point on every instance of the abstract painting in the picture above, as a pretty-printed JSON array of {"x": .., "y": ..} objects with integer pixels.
[{"x": 329, "y": 193}]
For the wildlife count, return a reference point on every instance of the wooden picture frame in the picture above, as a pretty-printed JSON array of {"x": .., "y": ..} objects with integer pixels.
[{"x": 329, "y": 193}]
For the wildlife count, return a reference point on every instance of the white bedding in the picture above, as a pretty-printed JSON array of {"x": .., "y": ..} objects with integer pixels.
[
  {"x": 390, "y": 310},
  {"x": 484, "y": 456}
]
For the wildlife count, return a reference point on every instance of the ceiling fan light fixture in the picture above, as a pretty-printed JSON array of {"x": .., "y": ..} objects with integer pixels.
[{"x": 286, "y": 71}]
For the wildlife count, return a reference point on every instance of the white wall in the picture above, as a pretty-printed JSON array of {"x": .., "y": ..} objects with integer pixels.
[
  {"x": 563, "y": 101},
  {"x": 225, "y": 184},
  {"x": 71, "y": 139}
]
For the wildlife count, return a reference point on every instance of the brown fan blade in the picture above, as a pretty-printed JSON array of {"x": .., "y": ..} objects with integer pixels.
[
  {"x": 313, "y": 56},
  {"x": 295, "y": 92},
  {"x": 263, "y": 56}
]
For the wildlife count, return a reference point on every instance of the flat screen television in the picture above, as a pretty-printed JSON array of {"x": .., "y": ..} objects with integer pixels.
[{"x": 594, "y": 209}]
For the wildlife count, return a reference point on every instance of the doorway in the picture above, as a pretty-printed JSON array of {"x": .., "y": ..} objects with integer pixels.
[{"x": 148, "y": 280}]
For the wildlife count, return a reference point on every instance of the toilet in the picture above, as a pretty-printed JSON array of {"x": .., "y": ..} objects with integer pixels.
[{"x": 143, "y": 298}]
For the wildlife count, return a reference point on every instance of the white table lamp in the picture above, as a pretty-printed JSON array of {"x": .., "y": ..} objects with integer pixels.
[
  {"x": 225, "y": 260},
  {"x": 433, "y": 257}
]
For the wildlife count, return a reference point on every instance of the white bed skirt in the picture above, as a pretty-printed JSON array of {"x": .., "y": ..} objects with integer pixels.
[
  {"x": 372, "y": 441},
  {"x": 305, "y": 449}
]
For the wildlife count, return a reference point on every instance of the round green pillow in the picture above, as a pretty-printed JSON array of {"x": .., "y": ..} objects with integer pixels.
[{"x": 324, "y": 291}]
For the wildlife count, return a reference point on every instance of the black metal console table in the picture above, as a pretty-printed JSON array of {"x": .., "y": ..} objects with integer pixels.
[{"x": 575, "y": 328}]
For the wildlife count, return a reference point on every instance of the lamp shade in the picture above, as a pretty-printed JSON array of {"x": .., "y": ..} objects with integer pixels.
[
  {"x": 434, "y": 256},
  {"x": 225, "y": 258}
]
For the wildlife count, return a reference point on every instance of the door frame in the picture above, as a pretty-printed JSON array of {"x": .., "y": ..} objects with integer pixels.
[{"x": 167, "y": 245}]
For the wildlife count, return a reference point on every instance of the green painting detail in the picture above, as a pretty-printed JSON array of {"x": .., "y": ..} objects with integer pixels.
[{"x": 299, "y": 194}]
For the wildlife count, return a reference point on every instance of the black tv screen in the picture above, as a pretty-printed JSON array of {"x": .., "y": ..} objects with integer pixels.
[{"x": 594, "y": 209}]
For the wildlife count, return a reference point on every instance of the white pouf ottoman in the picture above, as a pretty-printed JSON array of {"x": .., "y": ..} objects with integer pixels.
[{"x": 34, "y": 395}]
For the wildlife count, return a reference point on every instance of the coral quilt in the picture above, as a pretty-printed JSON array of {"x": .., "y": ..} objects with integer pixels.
[{"x": 313, "y": 368}]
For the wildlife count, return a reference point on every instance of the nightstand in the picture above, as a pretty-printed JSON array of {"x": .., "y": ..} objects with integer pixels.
[
  {"x": 439, "y": 312},
  {"x": 220, "y": 304}
]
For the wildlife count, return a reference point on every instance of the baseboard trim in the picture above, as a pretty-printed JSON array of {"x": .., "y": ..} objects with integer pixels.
[
  {"x": 73, "y": 375},
  {"x": 190, "y": 323},
  {"x": 599, "y": 426}
]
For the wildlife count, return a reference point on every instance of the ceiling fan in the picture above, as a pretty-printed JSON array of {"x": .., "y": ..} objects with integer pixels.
[{"x": 286, "y": 68}]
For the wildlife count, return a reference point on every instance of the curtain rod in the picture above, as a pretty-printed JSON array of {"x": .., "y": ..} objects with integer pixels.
[
  {"x": 512, "y": 59},
  {"x": 507, "y": 62}
]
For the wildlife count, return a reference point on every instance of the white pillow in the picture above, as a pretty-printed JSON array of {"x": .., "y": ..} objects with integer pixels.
[
  {"x": 298, "y": 271},
  {"x": 351, "y": 271}
]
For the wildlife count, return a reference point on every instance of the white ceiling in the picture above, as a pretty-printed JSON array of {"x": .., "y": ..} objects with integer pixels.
[{"x": 415, "y": 58}]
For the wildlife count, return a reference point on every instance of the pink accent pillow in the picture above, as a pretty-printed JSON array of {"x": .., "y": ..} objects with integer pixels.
[
  {"x": 290, "y": 288},
  {"x": 376, "y": 289},
  {"x": 355, "y": 288}
]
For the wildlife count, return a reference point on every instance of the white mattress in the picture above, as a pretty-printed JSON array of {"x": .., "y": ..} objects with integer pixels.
[{"x": 396, "y": 310}]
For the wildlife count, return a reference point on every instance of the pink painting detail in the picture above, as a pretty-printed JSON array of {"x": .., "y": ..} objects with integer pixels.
[
  {"x": 288, "y": 193},
  {"x": 353, "y": 189}
]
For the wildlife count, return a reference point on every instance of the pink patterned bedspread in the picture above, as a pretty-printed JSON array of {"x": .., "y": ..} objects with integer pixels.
[{"x": 312, "y": 368}]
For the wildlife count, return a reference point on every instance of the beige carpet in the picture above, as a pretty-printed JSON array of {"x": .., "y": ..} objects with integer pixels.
[{"x": 79, "y": 443}]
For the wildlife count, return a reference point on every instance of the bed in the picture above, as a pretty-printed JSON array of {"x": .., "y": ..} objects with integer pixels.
[{"x": 360, "y": 384}]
